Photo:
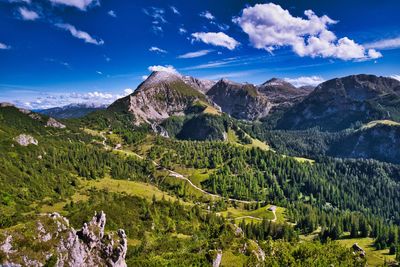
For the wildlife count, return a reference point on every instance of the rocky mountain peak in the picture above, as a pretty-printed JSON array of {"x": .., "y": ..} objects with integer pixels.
[
  {"x": 276, "y": 82},
  {"x": 157, "y": 77},
  {"x": 90, "y": 246}
]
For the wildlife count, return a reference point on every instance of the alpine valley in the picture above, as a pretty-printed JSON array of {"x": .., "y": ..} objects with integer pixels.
[{"x": 192, "y": 172}]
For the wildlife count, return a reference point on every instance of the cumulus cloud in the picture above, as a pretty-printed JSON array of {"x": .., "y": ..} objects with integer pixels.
[
  {"x": 79, "y": 34},
  {"x": 199, "y": 53},
  {"x": 144, "y": 77},
  {"x": 397, "y": 77},
  {"x": 49, "y": 100},
  {"x": 112, "y": 13},
  {"x": 216, "y": 39},
  {"x": 28, "y": 14},
  {"x": 175, "y": 10},
  {"x": 392, "y": 43},
  {"x": 305, "y": 80},
  {"x": 269, "y": 26},
  {"x": 207, "y": 14},
  {"x": 166, "y": 68},
  {"x": 80, "y": 4},
  {"x": 4, "y": 46},
  {"x": 157, "y": 49},
  {"x": 128, "y": 91}
]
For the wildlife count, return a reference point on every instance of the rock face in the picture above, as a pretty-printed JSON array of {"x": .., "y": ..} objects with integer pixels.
[
  {"x": 241, "y": 101},
  {"x": 160, "y": 96},
  {"x": 282, "y": 94},
  {"x": 62, "y": 245},
  {"x": 201, "y": 85},
  {"x": 338, "y": 103},
  {"x": 55, "y": 124},
  {"x": 25, "y": 140}
]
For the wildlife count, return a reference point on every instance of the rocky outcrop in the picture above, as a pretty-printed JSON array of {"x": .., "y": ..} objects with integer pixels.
[
  {"x": 218, "y": 258},
  {"x": 55, "y": 124},
  {"x": 241, "y": 101},
  {"x": 25, "y": 140},
  {"x": 51, "y": 238}
]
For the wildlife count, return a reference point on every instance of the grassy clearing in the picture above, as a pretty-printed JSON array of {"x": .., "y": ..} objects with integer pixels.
[
  {"x": 128, "y": 187},
  {"x": 377, "y": 122},
  {"x": 374, "y": 257},
  {"x": 195, "y": 175},
  {"x": 238, "y": 214},
  {"x": 234, "y": 139},
  {"x": 230, "y": 258}
]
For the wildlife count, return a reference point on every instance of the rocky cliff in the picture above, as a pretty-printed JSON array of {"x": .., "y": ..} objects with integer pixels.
[
  {"x": 241, "y": 101},
  {"x": 51, "y": 241}
]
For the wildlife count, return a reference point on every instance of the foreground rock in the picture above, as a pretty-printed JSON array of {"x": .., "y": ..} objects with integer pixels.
[
  {"x": 55, "y": 124},
  {"x": 25, "y": 140},
  {"x": 51, "y": 241}
]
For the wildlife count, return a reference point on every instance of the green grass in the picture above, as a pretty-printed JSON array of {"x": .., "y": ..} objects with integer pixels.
[
  {"x": 237, "y": 214},
  {"x": 230, "y": 258},
  {"x": 128, "y": 187},
  {"x": 374, "y": 257},
  {"x": 234, "y": 139}
]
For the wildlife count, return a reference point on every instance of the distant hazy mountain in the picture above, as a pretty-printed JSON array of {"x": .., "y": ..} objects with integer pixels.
[
  {"x": 72, "y": 110},
  {"x": 338, "y": 103}
]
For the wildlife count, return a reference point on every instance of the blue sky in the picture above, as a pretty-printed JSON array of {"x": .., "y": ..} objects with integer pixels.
[{"x": 54, "y": 52}]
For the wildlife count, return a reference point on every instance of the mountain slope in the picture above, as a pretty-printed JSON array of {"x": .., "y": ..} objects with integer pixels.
[
  {"x": 338, "y": 103},
  {"x": 241, "y": 101},
  {"x": 377, "y": 140},
  {"x": 161, "y": 95}
]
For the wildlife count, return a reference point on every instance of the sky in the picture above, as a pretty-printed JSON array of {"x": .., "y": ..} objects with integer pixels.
[{"x": 57, "y": 52}]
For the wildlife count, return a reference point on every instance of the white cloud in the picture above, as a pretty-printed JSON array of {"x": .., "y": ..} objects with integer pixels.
[
  {"x": 144, "y": 77},
  {"x": 166, "y": 68},
  {"x": 216, "y": 39},
  {"x": 99, "y": 72},
  {"x": 28, "y": 14},
  {"x": 4, "y": 46},
  {"x": 392, "y": 43},
  {"x": 397, "y": 77},
  {"x": 79, "y": 34},
  {"x": 372, "y": 53},
  {"x": 199, "y": 53},
  {"x": 207, "y": 14},
  {"x": 158, "y": 14},
  {"x": 112, "y": 13},
  {"x": 80, "y": 4},
  {"x": 175, "y": 10},
  {"x": 157, "y": 49},
  {"x": 182, "y": 30},
  {"x": 128, "y": 91},
  {"x": 269, "y": 26},
  {"x": 50, "y": 99},
  {"x": 305, "y": 80}
]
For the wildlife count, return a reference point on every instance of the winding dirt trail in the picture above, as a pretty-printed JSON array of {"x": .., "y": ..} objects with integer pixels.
[{"x": 174, "y": 174}]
